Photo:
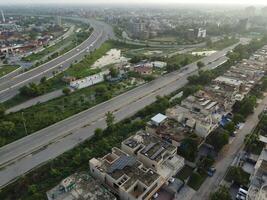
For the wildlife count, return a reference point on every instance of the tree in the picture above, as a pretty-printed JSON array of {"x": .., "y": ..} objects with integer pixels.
[
  {"x": 113, "y": 72},
  {"x": 246, "y": 106},
  {"x": 66, "y": 91},
  {"x": 218, "y": 139},
  {"x": 230, "y": 127},
  {"x": 110, "y": 119},
  {"x": 6, "y": 127},
  {"x": 238, "y": 175},
  {"x": 2, "y": 111},
  {"x": 238, "y": 118},
  {"x": 221, "y": 194},
  {"x": 98, "y": 133},
  {"x": 200, "y": 64},
  {"x": 188, "y": 149},
  {"x": 43, "y": 80},
  {"x": 205, "y": 163},
  {"x": 251, "y": 141}
]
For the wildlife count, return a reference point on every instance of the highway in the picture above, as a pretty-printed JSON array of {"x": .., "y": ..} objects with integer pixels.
[
  {"x": 101, "y": 33},
  {"x": 29, "y": 152}
]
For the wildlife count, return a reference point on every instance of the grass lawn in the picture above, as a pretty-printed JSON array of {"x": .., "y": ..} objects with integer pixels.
[
  {"x": 185, "y": 172},
  {"x": 179, "y": 58},
  {"x": 164, "y": 39},
  {"x": 6, "y": 69},
  {"x": 196, "y": 180},
  {"x": 223, "y": 43}
]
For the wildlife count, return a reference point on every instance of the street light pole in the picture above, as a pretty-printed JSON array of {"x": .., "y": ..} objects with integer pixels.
[{"x": 24, "y": 123}]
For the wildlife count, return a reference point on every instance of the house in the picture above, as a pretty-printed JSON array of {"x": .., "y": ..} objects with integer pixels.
[
  {"x": 258, "y": 180},
  {"x": 143, "y": 70},
  {"x": 79, "y": 186},
  {"x": 88, "y": 81},
  {"x": 199, "y": 112},
  {"x": 126, "y": 176},
  {"x": 159, "y": 64},
  {"x": 169, "y": 130},
  {"x": 154, "y": 153}
]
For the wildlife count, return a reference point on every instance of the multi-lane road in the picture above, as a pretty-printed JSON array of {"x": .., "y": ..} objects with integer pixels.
[
  {"x": 101, "y": 33},
  {"x": 29, "y": 152}
]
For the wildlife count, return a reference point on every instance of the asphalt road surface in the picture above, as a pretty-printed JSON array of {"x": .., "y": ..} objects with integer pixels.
[
  {"x": 101, "y": 33},
  {"x": 228, "y": 155},
  {"x": 27, "y": 153},
  {"x": 40, "y": 99}
]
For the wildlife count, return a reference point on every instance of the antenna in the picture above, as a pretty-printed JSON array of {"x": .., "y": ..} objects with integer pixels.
[{"x": 3, "y": 16}]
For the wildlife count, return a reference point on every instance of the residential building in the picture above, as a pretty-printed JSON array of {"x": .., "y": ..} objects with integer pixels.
[
  {"x": 88, "y": 81},
  {"x": 143, "y": 70},
  {"x": 202, "y": 33},
  {"x": 258, "y": 180},
  {"x": 159, "y": 64},
  {"x": 80, "y": 186},
  {"x": 169, "y": 130},
  {"x": 127, "y": 176},
  {"x": 154, "y": 153},
  {"x": 199, "y": 112}
]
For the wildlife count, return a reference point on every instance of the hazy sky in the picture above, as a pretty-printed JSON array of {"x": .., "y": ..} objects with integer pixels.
[{"x": 253, "y": 2}]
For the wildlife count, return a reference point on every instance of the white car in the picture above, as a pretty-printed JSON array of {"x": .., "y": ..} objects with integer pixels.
[{"x": 156, "y": 195}]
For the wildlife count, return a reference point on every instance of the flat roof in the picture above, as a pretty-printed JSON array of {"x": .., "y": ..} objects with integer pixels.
[
  {"x": 85, "y": 187},
  {"x": 159, "y": 118}
]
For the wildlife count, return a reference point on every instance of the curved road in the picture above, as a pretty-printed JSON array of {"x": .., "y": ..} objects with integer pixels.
[
  {"x": 101, "y": 33},
  {"x": 27, "y": 153}
]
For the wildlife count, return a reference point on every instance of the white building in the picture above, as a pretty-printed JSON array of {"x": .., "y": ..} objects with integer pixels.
[
  {"x": 159, "y": 64},
  {"x": 88, "y": 81}
]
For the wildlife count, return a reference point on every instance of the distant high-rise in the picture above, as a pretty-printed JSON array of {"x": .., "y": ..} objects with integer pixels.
[
  {"x": 3, "y": 17},
  {"x": 58, "y": 20},
  {"x": 250, "y": 11},
  {"x": 264, "y": 11}
]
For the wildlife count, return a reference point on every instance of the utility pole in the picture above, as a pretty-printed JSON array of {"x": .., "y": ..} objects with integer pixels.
[{"x": 24, "y": 123}]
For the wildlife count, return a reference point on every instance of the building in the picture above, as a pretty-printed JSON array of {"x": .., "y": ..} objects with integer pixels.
[
  {"x": 258, "y": 180},
  {"x": 168, "y": 130},
  {"x": 127, "y": 176},
  {"x": 159, "y": 64},
  {"x": 202, "y": 33},
  {"x": 79, "y": 186},
  {"x": 138, "y": 29},
  {"x": 88, "y": 81},
  {"x": 143, "y": 70},
  {"x": 250, "y": 11},
  {"x": 199, "y": 112},
  {"x": 154, "y": 153},
  {"x": 264, "y": 11},
  {"x": 58, "y": 21}
]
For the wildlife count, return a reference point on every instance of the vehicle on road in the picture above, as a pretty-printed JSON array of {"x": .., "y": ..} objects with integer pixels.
[{"x": 211, "y": 171}]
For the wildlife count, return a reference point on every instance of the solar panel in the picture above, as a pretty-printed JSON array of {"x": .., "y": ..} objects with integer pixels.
[
  {"x": 121, "y": 163},
  {"x": 154, "y": 156},
  {"x": 148, "y": 147}
]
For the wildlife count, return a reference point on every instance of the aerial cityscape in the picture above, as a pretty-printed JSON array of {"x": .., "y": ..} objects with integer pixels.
[{"x": 133, "y": 100}]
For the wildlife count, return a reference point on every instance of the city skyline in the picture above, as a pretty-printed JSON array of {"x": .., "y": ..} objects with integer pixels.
[{"x": 237, "y": 2}]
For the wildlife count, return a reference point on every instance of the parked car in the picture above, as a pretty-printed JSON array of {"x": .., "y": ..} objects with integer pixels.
[{"x": 211, "y": 171}]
